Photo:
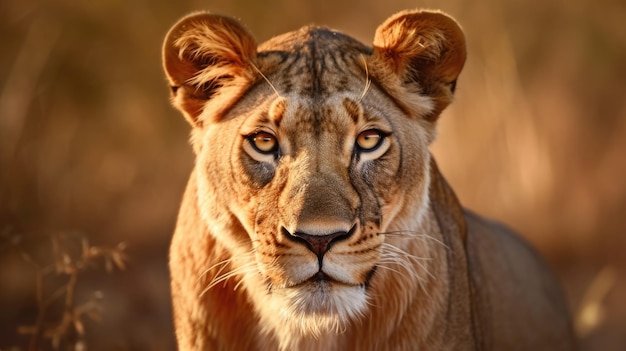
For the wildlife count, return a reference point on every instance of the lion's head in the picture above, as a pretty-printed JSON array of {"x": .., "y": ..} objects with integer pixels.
[{"x": 312, "y": 154}]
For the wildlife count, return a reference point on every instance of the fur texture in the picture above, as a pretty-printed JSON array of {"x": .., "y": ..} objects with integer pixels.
[{"x": 315, "y": 217}]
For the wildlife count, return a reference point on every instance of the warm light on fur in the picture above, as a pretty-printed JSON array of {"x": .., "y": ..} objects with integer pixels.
[{"x": 315, "y": 217}]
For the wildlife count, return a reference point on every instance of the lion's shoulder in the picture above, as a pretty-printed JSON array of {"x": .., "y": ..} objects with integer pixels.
[{"x": 509, "y": 278}]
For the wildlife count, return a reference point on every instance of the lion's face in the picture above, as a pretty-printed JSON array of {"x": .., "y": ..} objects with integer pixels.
[
  {"x": 315, "y": 184},
  {"x": 311, "y": 153}
]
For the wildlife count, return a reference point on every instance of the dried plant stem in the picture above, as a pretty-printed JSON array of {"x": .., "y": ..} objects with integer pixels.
[
  {"x": 41, "y": 314},
  {"x": 68, "y": 332}
]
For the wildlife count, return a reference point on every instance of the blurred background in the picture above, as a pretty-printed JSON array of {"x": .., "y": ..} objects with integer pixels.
[{"x": 93, "y": 160}]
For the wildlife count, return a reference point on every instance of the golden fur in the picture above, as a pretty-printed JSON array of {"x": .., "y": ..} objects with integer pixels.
[{"x": 315, "y": 217}]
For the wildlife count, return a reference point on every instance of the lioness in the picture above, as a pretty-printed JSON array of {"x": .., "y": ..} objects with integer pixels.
[{"x": 316, "y": 218}]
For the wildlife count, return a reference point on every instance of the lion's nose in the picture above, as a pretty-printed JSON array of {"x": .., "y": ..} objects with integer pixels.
[{"x": 318, "y": 244}]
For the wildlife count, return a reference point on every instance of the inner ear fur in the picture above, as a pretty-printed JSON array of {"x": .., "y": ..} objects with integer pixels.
[
  {"x": 419, "y": 52},
  {"x": 205, "y": 56}
]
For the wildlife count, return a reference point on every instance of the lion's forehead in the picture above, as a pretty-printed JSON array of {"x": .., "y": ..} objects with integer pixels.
[
  {"x": 305, "y": 115},
  {"x": 314, "y": 62}
]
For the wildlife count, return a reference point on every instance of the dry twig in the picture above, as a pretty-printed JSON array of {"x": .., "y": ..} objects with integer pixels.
[{"x": 68, "y": 330}]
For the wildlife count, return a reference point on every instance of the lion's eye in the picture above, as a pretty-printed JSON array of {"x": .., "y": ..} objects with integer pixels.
[
  {"x": 264, "y": 143},
  {"x": 369, "y": 140}
]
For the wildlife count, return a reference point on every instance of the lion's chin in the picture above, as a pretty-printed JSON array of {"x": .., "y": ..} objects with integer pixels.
[{"x": 316, "y": 307}]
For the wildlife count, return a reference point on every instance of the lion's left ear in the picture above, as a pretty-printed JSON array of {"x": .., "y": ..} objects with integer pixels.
[{"x": 419, "y": 52}]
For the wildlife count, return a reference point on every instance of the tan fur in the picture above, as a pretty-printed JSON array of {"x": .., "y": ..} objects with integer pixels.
[{"x": 297, "y": 233}]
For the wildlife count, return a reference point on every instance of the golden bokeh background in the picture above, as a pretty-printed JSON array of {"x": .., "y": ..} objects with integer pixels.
[{"x": 90, "y": 147}]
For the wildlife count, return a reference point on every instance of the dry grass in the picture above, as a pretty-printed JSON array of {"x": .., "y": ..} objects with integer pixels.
[
  {"x": 59, "y": 322},
  {"x": 536, "y": 137}
]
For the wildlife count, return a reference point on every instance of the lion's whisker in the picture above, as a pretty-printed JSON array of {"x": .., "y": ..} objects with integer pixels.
[
  {"x": 222, "y": 264},
  {"x": 417, "y": 259},
  {"x": 242, "y": 270},
  {"x": 368, "y": 82},
  {"x": 266, "y": 79},
  {"x": 416, "y": 235},
  {"x": 382, "y": 266}
]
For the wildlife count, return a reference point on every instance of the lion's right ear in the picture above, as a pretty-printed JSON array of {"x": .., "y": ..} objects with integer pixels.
[{"x": 209, "y": 62}]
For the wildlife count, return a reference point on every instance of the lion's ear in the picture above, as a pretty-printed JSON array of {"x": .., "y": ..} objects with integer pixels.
[
  {"x": 205, "y": 57},
  {"x": 423, "y": 52}
]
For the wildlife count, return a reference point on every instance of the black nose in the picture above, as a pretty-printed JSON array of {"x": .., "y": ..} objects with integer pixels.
[{"x": 318, "y": 244}]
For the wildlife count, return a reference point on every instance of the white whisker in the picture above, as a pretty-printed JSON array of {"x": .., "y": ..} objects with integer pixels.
[
  {"x": 266, "y": 79},
  {"x": 421, "y": 236},
  {"x": 382, "y": 266},
  {"x": 413, "y": 265},
  {"x": 409, "y": 257},
  {"x": 242, "y": 270},
  {"x": 368, "y": 82},
  {"x": 222, "y": 265},
  {"x": 225, "y": 270}
]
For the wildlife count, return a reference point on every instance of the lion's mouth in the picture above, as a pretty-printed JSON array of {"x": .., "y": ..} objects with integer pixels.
[
  {"x": 318, "y": 279},
  {"x": 322, "y": 295},
  {"x": 321, "y": 277}
]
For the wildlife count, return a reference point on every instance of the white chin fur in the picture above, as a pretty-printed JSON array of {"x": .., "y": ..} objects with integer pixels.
[{"x": 318, "y": 308}]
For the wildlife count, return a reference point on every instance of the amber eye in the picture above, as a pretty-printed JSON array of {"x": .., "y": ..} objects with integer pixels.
[
  {"x": 263, "y": 142},
  {"x": 369, "y": 140}
]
